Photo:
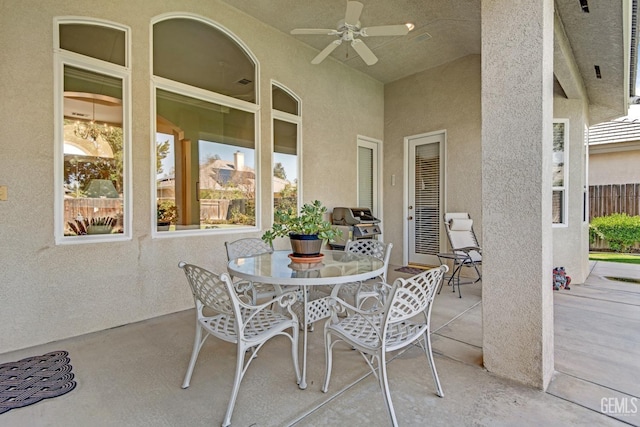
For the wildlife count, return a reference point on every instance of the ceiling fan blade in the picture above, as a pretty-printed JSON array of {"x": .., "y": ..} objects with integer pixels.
[
  {"x": 319, "y": 31},
  {"x": 326, "y": 51},
  {"x": 363, "y": 50},
  {"x": 354, "y": 9},
  {"x": 385, "y": 30}
]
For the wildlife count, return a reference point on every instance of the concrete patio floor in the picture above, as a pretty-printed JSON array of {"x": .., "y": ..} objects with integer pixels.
[{"x": 131, "y": 375}]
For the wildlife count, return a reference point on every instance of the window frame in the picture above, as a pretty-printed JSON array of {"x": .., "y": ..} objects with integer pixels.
[
  {"x": 565, "y": 169},
  {"x": 183, "y": 89},
  {"x": 289, "y": 118},
  {"x": 585, "y": 186},
  {"x": 375, "y": 146},
  {"x": 64, "y": 58}
]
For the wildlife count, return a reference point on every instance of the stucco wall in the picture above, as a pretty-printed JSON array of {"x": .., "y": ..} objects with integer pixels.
[
  {"x": 620, "y": 167},
  {"x": 443, "y": 98},
  {"x": 50, "y": 292},
  {"x": 517, "y": 113}
]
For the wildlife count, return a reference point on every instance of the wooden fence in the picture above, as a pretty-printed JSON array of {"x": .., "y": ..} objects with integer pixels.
[
  {"x": 614, "y": 198},
  {"x": 214, "y": 209},
  {"x": 88, "y": 207}
]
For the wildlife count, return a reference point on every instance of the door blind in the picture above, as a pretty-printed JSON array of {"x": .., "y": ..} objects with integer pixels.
[{"x": 427, "y": 199}]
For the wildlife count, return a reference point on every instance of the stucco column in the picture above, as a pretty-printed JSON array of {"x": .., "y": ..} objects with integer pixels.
[{"x": 517, "y": 105}]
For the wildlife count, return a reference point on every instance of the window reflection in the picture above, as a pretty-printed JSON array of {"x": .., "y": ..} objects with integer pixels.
[
  {"x": 559, "y": 173},
  {"x": 93, "y": 153},
  {"x": 227, "y": 184},
  {"x": 95, "y": 41},
  {"x": 285, "y": 165},
  {"x": 206, "y": 169},
  {"x": 213, "y": 61},
  {"x": 286, "y": 150}
]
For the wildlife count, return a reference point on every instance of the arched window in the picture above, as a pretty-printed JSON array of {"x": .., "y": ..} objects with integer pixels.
[
  {"x": 205, "y": 104},
  {"x": 287, "y": 123},
  {"x": 92, "y": 155}
]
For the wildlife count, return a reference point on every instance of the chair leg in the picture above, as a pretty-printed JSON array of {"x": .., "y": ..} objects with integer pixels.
[
  {"x": 384, "y": 386},
  {"x": 457, "y": 270},
  {"x": 328, "y": 352},
  {"x": 236, "y": 384},
  {"x": 197, "y": 345},
  {"x": 294, "y": 353},
  {"x": 475, "y": 266},
  {"x": 432, "y": 364}
]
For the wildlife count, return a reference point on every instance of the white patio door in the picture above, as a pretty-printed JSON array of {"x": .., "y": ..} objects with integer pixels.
[{"x": 425, "y": 168}]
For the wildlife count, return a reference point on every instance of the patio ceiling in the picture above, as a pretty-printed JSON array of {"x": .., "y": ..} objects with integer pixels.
[{"x": 449, "y": 29}]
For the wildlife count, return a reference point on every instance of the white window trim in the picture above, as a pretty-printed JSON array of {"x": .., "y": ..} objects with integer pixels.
[
  {"x": 376, "y": 146},
  {"x": 565, "y": 187},
  {"x": 586, "y": 207},
  {"x": 63, "y": 57},
  {"x": 290, "y": 118},
  {"x": 207, "y": 96}
]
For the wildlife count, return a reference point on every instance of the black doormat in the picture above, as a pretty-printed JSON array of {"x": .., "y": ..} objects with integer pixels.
[{"x": 30, "y": 380}]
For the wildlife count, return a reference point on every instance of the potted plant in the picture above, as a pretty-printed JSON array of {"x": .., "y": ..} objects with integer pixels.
[
  {"x": 167, "y": 214},
  {"x": 307, "y": 231},
  {"x": 99, "y": 225}
]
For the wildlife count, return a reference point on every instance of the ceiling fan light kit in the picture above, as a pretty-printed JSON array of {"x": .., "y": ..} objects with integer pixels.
[{"x": 349, "y": 29}]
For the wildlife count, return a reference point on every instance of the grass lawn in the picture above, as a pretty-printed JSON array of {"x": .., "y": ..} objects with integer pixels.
[{"x": 614, "y": 257}]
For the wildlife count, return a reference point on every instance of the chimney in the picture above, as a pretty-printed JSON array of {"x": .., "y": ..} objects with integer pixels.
[{"x": 238, "y": 160}]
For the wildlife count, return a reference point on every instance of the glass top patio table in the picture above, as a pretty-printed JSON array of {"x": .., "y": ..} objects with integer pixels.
[
  {"x": 335, "y": 267},
  {"x": 277, "y": 268}
]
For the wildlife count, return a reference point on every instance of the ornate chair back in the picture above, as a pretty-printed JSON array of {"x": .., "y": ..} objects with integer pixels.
[
  {"x": 371, "y": 247},
  {"x": 247, "y": 247}
]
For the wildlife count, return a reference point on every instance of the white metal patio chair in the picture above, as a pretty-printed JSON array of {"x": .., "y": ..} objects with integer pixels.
[
  {"x": 237, "y": 321},
  {"x": 360, "y": 291},
  {"x": 404, "y": 319},
  {"x": 249, "y": 247},
  {"x": 465, "y": 249}
]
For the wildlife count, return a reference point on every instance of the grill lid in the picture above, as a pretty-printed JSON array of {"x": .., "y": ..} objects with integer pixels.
[{"x": 353, "y": 216}]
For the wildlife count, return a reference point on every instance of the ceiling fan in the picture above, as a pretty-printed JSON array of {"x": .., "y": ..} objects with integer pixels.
[{"x": 348, "y": 29}]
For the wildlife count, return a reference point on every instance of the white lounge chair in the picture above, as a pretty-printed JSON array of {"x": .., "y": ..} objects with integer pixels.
[{"x": 465, "y": 249}]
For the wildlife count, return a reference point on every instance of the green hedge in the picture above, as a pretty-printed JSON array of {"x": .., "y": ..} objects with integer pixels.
[{"x": 621, "y": 231}]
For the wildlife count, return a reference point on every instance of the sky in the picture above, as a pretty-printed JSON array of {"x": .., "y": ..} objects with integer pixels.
[{"x": 634, "y": 111}]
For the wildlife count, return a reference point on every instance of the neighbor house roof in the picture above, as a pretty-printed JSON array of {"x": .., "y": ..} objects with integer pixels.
[{"x": 615, "y": 131}]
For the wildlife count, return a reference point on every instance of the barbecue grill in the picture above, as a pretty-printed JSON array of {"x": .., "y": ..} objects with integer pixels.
[{"x": 355, "y": 224}]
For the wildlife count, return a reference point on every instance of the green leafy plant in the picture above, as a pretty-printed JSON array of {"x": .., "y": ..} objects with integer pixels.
[
  {"x": 310, "y": 221},
  {"x": 167, "y": 212},
  {"x": 614, "y": 257},
  {"x": 621, "y": 231}
]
